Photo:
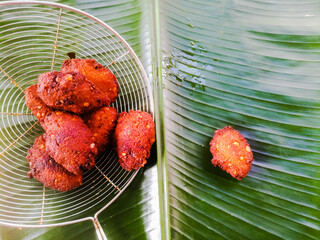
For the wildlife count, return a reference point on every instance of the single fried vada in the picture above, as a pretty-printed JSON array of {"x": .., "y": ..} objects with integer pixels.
[
  {"x": 134, "y": 136},
  {"x": 70, "y": 92},
  {"x": 46, "y": 170},
  {"x": 69, "y": 141},
  {"x": 101, "y": 76},
  {"x": 35, "y": 104},
  {"x": 231, "y": 152},
  {"x": 101, "y": 123}
]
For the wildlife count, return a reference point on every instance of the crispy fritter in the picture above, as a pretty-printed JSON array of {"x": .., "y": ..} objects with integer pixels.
[
  {"x": 101, "y": 123},
  {"x": 134, "y": 136},
  {"x": 70, "y": 92},
  {"x": 47, "y": 171},
  {"x": 231, "y": 152},
  {"x": 69, "y": 141},
  {"x": 102, "y": 77},
  {"x": 35, "y": 104}
]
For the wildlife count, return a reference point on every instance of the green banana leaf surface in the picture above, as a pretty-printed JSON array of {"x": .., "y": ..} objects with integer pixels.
[{"x": 250, "y": 64}]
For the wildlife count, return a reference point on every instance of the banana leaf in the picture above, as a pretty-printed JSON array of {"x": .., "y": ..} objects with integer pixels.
[{"x": 249, "y": 64}]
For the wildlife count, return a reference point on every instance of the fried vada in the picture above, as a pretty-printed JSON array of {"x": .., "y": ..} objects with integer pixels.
[
  {"x": 46, "y": 170},
  {"x": 35, "y": 104},
  {"x": 69, "y": 141},
  {"x": 134, "y": 136},
  {"x": 70, "y": 92},
  {"x": 231, "y": 152},
  {"x": 101, "y": 123},
  {"x": 101, "y": 76}
]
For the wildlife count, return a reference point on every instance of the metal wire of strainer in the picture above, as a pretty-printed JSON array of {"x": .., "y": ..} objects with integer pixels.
[{"x": 35, "y": 37}]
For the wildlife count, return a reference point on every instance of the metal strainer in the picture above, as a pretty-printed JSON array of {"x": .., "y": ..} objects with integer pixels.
[{"x": 35, "y": 37}]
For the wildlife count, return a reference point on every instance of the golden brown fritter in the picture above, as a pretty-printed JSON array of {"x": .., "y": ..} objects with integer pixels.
[
  {"x": 134, "y": 136},
  {"x": 35, "y": 104},
  {"x": 102, "y": 77},
  {"x": 69, "y": 141},
  {"x": 70, "y": 92},
  {"x": 47, "y": 171},
  {"x": 101, "y": 123},
  {"x": 231, "y": 152}
]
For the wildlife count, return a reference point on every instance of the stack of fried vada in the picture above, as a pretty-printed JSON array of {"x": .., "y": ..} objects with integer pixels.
[{"x": 73, "y": 108}]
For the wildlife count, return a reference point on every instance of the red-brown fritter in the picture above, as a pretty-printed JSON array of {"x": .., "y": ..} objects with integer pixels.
[
  {"x": 69, "y": 141},
  {"x": 134, "y": 136},
  {"x": 47, "y": 171},
  {"x": 102, "y": 77},
  {"x": 70, "y": 92},
  {"x": 101, "y": 123},
  {"x": 35, "y": 104},
  {"x": 231, "y": 152}
]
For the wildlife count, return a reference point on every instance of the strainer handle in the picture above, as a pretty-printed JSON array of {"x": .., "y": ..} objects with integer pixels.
[{"x": 99, "y": 230}]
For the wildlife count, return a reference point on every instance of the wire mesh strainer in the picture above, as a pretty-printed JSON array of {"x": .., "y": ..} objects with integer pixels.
[{"x": 35, "y": 37}]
